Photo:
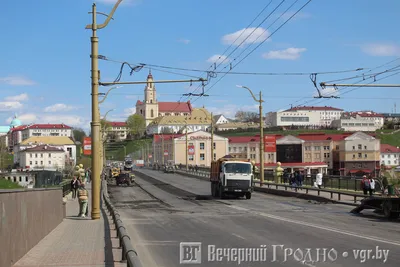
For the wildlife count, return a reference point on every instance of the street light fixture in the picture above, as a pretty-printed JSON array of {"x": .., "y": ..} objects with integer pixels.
[
  {"x": 106, "y": 94},
  {"x": 261, "y": 133}
]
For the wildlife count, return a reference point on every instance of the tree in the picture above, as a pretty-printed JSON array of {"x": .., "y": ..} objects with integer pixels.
[
  {"x": 247, "y": 116},
  {"x": 136, "y": 125},
  {"x": 78, "y": 134}
]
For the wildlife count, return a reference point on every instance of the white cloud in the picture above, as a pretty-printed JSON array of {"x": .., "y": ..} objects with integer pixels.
[
  {"x": 286, "y": 54},
  {"x": 130, "y": 111},
  {"x": 70, "y": 120},
  {"x": 328, "y": 91},
  {"x": 58, "y": 107},
  {"x": 16, "y": 80},
  {"x": 230, "y": 110},
  {"x": 21, "y": 97},
  {"x": 218, "y": 58},
  {"x": 185, "y": 41},
  {"x": 10, "y": 105},
  {"x": 381, "y": 49},
  {"x": 259, "y": 35}
]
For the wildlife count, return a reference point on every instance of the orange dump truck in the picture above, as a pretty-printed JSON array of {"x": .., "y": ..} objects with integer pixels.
[{"x": 231, "y": 176}]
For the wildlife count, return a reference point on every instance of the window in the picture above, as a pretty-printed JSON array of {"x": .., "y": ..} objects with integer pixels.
[
  {"x": 229, "y": 149},
  {"x": 365, "y": 156},
  {"x": 317, "y": 148},
  {"x": 26, "y": 178},
  {"x": 359, "y": 146},
  {"x": 30, "y": 162},
  {"x": 337, "y": 147},
  {"x": 202, "y": 147},
  {"x": 365, "y": 147},
  {"x": 307, "y": 148},
  {"x": 152, "y": 112},
  {"x": 359, "y": 155},
  {"x": 35, "y": 162},
  {"x": 354, "y": 156},
  {"x": 191, "y": 157},
  {"x": 389, "y": 162},
  {"x": 30, "y": 155},
  {"x": 49, "y": 162},
  {"x": 35, "y": 155},
  {"x": 41, "y": 155},
  {"x": 202, "y": 156},
  {"x": 215, "y": 156},
  {"x": 41, "y": 162},
  {"x": 49, "y": 155},
  {"x": 354, "y": 148},
  {"x": 215, "y": 145}
]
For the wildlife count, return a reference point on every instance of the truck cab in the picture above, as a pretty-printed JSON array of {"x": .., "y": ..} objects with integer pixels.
[{"x": 231, "y": 177}]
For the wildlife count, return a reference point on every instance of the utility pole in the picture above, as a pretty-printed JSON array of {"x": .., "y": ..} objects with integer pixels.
[
  {"x": 95, "y": 125},
  {"x": 212, "y": 138},
  {"x": 260, "y": 101},
  {"x": 261, "y": 143},
  {"x": 359, "y": 85},
  {"x": 187, "y": 146},
  {"x": 162, "y": 148}
]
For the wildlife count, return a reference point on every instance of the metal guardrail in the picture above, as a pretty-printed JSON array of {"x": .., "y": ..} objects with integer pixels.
[
  {"x": 66, "y": 187},
  {"x": 339, "y": 194},
  {"x": 129, "y": 254}
]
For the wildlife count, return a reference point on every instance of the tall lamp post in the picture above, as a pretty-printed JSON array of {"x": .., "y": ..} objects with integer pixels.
[
  {"x": 95, "y": 125},
  {"x": 260, "y": 101}
]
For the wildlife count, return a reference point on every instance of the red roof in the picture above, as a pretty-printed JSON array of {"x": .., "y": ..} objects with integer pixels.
[
  {"x": 117, "y": 123},
  {"x": 244, "y": 139},
  {"x": 157, "y": 137},
  {"x": 18, "y": 128},
  {"x": 389, "y": 149},
  {"x": 364, "y": 114},
  {"x": 139, "y": 102},
  {"x": 175, "y": 107},
  {"x": 323, "y": 136},
  {"x": 326, "y": 108},
  {"x": 293, "y": 164},
  {"x": 48, "y": 126},
  {"x": 43, "y": 148}
]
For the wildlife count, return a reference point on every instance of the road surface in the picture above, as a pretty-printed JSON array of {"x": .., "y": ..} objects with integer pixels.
[{"x": 161, "y": 213}]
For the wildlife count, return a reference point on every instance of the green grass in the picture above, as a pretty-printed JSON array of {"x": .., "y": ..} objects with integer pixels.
[
  {"x": 131, "y": 146},
  {"x": 6, "y": 184},
  {"x": 390, "y": 139}
]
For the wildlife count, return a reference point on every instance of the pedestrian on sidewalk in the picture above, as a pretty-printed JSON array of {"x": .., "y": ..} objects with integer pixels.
[
  {"x": 74, "y": 186},
  {"x": 372, "y": 186},
  {"x": 83, "y": 195},
  {"x": 318, "y": 180},
  {"x": 365, "y": 185}
]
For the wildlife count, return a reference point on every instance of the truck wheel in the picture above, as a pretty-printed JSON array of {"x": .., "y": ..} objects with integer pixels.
[
  {"x": 248, "y": 195},
  {"x": 387, "y": 208},
  {"x": 221, "y": 193}
]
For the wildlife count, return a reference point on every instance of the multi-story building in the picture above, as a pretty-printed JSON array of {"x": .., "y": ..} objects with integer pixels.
[
  {"x": 198, "y": 120},
  {"x": 117, "y": 130},
  {"x": 172, "y": 147},
  {"x": 390, "y": 155},
  {"x": 357, "y": 154},
  {"x": 236, "y": 125},
  {"x": 42, "y": 157},
  {"x": 46, "y": 130},
  {"x": 63, "y": 143},
  {"x": 363, "y": 121},
  {"x": 304, "y": 116},
  {"x": 150, "y": 108}
]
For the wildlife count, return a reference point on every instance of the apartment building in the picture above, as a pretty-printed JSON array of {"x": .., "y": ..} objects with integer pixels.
[
  {"x": 390, "y": 155},
  {"x": 366, "y": 121}
]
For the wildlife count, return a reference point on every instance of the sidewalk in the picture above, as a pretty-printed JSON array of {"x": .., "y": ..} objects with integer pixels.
[{"x": 77, "y": 242}]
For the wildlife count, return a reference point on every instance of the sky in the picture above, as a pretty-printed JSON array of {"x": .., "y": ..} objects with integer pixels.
[{"x": 45, "y": 55}]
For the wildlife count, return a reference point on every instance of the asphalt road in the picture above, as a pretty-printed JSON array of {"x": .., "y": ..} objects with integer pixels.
[{"x": 161, "y": 213}]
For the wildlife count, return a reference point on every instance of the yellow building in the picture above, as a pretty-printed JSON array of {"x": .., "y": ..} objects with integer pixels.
[{"x": 172, "y": 147}]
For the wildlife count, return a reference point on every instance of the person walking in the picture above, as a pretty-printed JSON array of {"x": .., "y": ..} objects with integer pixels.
[
  {"x": 372, "y": 186},
  {"x": 83, "y": 195},
  {"x": 74, "y": 186},
  {"x": 365, "y": 185},
  {"x": 318, "y": 180}
]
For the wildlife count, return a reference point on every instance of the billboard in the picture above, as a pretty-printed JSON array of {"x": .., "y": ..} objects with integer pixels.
[
  {"x": 191, "y": 150},
  {"x": 87, "y": 146},
  {"x": 270, "y": 143}
]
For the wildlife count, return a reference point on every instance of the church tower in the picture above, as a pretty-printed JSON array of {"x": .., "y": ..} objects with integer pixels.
[{"x": 150, "y": 100}]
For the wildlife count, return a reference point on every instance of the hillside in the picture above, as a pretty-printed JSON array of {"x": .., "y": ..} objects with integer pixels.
[{"x": 116, "y": 150}]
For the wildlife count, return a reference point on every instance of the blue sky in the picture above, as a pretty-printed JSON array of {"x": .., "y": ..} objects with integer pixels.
[{"x": 45, "y": 64}]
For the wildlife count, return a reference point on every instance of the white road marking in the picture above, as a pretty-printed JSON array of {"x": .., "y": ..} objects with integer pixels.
[
  {"x": 239, "y": 236},
  {"x": 330, "y": 229}
]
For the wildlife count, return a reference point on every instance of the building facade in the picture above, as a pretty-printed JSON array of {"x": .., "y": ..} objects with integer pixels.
[
  {"x": 173, "y": 148},
  {"x": 117, "y": 130},
  {"x": 390, "y": 155},
  {"x": 363, "y": 121},
  {"x": 220, "y": 119},
  {"x": 304, "y": 116},
  {"x": 46, "y": 130},
  {"x": 150, "y": 108},
  {"x": 358, "y": 154},
  {"x": 198, "y": 120},
  {"x": 43, "y": 157},
  {"x": 66, "y": 144}
]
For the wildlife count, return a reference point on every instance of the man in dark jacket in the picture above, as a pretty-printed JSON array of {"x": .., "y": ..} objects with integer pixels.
[{"x": 74, "y": 187}]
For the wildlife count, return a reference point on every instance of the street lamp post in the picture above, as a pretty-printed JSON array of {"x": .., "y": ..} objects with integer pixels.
[
  {"x": 95, "y": 125},
  {"x": 260, "y": 101}
]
